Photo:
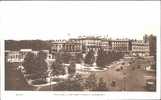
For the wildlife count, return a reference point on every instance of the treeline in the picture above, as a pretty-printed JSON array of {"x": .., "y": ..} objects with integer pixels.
[{"x": 27, "y": 44}]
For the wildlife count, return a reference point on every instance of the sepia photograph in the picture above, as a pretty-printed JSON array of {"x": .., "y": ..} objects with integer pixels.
[
  {"x": 81, "y": 50},
  {"x": 86, "y": 63}
]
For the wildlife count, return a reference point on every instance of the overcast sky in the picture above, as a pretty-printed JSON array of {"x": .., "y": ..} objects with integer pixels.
[{"x": 58, "y": 20}]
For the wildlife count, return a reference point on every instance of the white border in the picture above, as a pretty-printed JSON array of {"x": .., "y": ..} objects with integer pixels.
[{"x": 41, "y": 95}]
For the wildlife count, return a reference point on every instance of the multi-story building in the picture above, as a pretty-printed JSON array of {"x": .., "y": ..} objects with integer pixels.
[
  {"x": 119, "y": 45},
  {"x": 65, "y": 46},
  {"x": 13, "y": 56},
  {"x": 140, "y": 48},
  {"x": 57, "y": 45},
  {"x": 71, "y": 47},
  {"x": 18, "y": 56},
  {"x": 92, "y": 43},
  {"x": 105, "y": 45},
  {"x": 85, "y": 44}
]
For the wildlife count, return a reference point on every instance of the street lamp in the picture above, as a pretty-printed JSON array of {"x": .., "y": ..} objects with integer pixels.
[{"x": 124, "y": 81}]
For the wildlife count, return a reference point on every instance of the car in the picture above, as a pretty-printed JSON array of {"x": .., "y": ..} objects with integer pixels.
[
  {"x": 113, "y": 83},
  {"x": 118, "y": 69},
  {"x": 121, "y": 68},
  {"x": 138, "y": 66},
  {"x": 150, "y": 85}
]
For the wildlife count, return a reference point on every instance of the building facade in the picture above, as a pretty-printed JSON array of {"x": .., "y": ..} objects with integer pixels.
[
  {"x": 140, "y": 48},
  {"x": 119, "y": 45},
  {"x": 19, "y": 56},
  {"x": 65, "y": 46}
]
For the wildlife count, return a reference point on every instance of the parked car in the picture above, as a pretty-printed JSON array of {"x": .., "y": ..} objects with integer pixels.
[
  {"x": 150, "y": 85},
  {"x": 118, "y": 69},
  {"x": 113, "y": 83}
]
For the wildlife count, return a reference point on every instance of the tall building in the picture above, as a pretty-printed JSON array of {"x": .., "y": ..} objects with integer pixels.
[
  {"x": 152, "y": 45},
  {"x": 57, "y": 45},
  {"x": 65, "y": 46},
  {"x": 85, "y": 44},
  {"x": 121, "y": 45},
  {"x": 140, "y": 48}
]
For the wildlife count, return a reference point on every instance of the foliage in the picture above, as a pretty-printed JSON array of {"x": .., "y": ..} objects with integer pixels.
[
  {"x": 91, "y": 82},
  {"x": 66, "y": 57},
  {"x": 36, "y": 66},
  {"x": 58, "y": 68},
  {"x": 24, "y": 44},
  {"x": 89, "y": 59},
  {"x": 72, "y": 68},
  {"x": 71, "y": 84},
  {"x": 79, "y": 57},
  {"x": 101, "y": 85},
  {"x": 41, "y": 65},
  {"x": 105, "y": 58},
  {"x": 101, "y": 58},
  {"x": 29, "y": 63}
]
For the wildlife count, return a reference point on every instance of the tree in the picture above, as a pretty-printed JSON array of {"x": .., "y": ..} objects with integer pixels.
[
  {"x": 24, "y": 44},
  {"x": 58, "y": 68},
  {"x": 69, "y": 85},
  {"x": 101, "y": 85},
  {"x": 91, "y": 82},
  {"x": 101, "y": 58},
  {"x": 79, "y": 57},
  {"x": 72, "y": 68},
  {"x": 89, "y": 59},
  {"x": 36, "y": 66},
  {"x": 41, "y": 65},
  {"x": 66, "y": 57},
  {"x": 152, "y": 46},
  {"x": 29, "y": 63}
]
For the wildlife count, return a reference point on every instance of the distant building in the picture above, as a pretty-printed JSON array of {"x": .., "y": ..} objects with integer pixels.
[
  {"x": 92, "y": 43},
  {"x": 19, "y": 56},
  {"x": 72, "y": 47},
  {"x": 152, "y": 45},
  {"x": 85, "y": 44},
  {"x": 140, "y": 48},
  {"x": 105, "y": 45},
  {"x": 57, "y": 45},
  {"x": 13, "y": 56},
  {"x": 119, "y": 45},
  {"x": 24, "y": 52}
]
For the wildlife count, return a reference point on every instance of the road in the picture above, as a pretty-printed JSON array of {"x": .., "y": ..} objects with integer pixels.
[{"x": 128, "y": 79}]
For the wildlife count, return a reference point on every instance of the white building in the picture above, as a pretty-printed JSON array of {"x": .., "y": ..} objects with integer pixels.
[{"x": 140, "y": 48}]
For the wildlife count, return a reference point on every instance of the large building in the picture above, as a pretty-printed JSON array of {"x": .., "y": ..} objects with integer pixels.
[
  {"x": 65, "y": 46},
  {"x": 140, "y": 48},
  {"x": 57, "y": 45},
  {"x": 85, "y": 44},
  {"x": 18, "y": 56},
  {"x": 92, "y": 43},
  {"x": 120, "y": 45}
]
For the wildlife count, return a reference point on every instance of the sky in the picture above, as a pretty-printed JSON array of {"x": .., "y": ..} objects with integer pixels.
[{"x": 67, "y": 19}]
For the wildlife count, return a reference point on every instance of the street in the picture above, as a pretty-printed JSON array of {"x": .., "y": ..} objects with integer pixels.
[{"x": 127, "y": 79}]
